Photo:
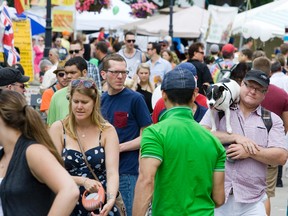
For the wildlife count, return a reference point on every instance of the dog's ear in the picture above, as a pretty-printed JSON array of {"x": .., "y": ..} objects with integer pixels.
[
  {"x": 205, "y": 86},
  {"x": 222, "y": 88}
]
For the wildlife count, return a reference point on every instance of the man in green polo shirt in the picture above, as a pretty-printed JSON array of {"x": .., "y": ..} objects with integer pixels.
[{"x": 182, "y": 164}]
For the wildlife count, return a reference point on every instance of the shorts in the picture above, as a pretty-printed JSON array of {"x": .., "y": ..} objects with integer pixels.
[{"x": 271, "y": 179}]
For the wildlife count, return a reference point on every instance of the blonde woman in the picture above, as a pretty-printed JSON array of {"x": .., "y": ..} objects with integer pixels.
[
  {"x": 144, "y": 86},
  {"x": 33, "y": 180},
  {"x": 85, "y": 128}
]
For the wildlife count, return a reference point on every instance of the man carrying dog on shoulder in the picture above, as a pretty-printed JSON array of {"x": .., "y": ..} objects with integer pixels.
[
  {"x": 250, "y": 148},
  {"x": 181, "y": 163}
]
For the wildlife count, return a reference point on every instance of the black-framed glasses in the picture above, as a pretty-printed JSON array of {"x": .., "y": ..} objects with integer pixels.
[
  {"x": 72, "y": 51},
  {"x": 200, "y": 52},
  {"x": 86, "y": 83},
  {"x": 61, "y": 74},
  {"x": 116, "y": 73},
  {"x": 257, "y": 90},
  {"x": 129, "y": 41}
]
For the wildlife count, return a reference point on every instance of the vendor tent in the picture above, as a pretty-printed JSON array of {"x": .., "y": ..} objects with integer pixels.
[
  {"x": 263, "y": 22},
  {"x": 187, "y": 23}
]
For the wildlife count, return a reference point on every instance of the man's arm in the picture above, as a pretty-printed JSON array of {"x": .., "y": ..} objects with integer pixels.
[
  {"x": 132, "y": 144},
  {"x": 284, "y": 117},
  {"x": 145, "y": 185},
  {"x": 272, "y": 156},
  {"x": 218, "y": 192}
]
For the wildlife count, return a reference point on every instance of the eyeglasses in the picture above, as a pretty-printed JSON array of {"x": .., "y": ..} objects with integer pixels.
[
  {"x": 22, "y": 86},
  {"x": 149, "y": 49},
  {"x": 257, "y": 90},
  {"x": 116, "y": 73},
  {"x": 129, "y": 41},
  {"x": 86, "y": 83},
  {"x": 200, "y": 52},
  {"x": 61, "y": 74},
  {"x": 72, "y": 51}
]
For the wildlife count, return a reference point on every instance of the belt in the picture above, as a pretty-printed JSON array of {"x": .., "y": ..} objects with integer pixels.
[{"x": 231, "y": 191}]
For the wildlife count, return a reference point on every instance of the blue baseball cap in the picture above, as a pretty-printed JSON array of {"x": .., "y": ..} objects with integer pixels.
[
  {"x": 187, "y": 66},
  {"x": 178, "y": 78}
]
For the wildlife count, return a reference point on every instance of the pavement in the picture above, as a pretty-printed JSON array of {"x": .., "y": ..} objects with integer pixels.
[{"x": 279, "y": 203}]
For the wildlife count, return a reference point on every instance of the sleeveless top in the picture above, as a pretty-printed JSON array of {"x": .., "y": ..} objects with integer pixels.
[
  {"x": 21, "y": 193},
  {"x": 132, "y": 62},
  {"x": 76, "y": 166}
]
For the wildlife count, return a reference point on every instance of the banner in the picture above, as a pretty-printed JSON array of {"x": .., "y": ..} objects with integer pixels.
[
  {"x": 62, "y": 21},
  {"x": 220, "y": 23},
  {"x": 22, "y": 40},
  {"x": 43, "y": 3}
]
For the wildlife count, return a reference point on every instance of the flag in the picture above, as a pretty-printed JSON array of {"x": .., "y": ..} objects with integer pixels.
[
  {"x": 8, "y": 38},
  {"x": 21, "y": 5}
]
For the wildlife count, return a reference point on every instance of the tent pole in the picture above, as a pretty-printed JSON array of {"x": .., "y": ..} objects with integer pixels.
[
  {"x": 48, "y": 29},
  {"x": 171, "y": 19},
  {"x": 248, "y": 7}
]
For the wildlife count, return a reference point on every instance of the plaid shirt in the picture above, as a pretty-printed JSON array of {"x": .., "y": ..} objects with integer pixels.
[{"x": 93, "y": 73}]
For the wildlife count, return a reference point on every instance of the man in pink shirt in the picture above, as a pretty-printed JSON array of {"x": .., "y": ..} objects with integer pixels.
[{"x": 250, "y": 148}]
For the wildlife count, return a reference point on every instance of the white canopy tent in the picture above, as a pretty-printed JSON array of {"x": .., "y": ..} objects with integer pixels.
[
  {"x": 106, "y": 19},
  {"x": 187, "y": 23},
  {"x": 264, "y": 22}
]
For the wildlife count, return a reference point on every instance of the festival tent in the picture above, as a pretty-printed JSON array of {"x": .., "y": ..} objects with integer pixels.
[
  {"x": 118, "y": 14},
  {"x": 187, "y": 23},
  {"x": 264, "y": 22}
]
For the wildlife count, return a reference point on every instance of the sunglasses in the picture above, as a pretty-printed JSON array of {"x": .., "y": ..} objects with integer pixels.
[
  {"x": 61, "y": 74},
  {"x": 72, "y": 51},
  {"x": 129, "y": 41},
  {"x": 86, "y": 83},
  {"x": 201, "y": 52}
]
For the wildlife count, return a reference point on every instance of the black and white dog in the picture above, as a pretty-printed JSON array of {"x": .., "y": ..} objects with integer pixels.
[{"x": 220, "y": 96}]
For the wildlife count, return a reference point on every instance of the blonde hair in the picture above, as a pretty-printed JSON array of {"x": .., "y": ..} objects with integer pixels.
[
  {"x": 147, "y": 67},
  {"x": 96, "y": 116},
  {"x": 18, "y": 115}
]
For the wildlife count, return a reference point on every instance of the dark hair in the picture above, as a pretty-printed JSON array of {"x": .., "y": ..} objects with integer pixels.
[
  {"x": 247, "y": 40},
  {"x": 102, "y": 46},
  {"x": 129, "y": 33},
  {"x": 263, "y": 64},
  {"x": 77, "y": 42},
  {"x": 156, "y": 46},
  {"x": 227, "y": 55},
  {"x": 117, "y": 46},
  {"x": 239, "y": 72},
  {"x": 180, "y": 96},
  {"x": 112, "y": 57},
  {"x": 258, "y": 53},
  {"x": 18, "y": 115},
  {"x": 248, "y": 53},
  {"x": 78, "y": 61},
  {"x": 209, "y": 59},
  {"x": 194, "y": 48},
  {"x": 276, "y": 66}
]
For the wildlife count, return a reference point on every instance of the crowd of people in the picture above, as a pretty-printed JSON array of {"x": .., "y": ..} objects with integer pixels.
[{"x": 160, "y": 159}]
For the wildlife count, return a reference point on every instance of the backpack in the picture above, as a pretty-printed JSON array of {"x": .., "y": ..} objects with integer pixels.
[
  {"x": 222, "y": 73},
  {"x": 265, "y": 115}
]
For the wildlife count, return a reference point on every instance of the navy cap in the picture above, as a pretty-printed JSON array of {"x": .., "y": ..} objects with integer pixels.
[
  {"x": 9, "y": 75},
  {"x": 187, "y": 66},
  {"x": 258, "y": 76},
  {"x": 178, "y": 78}
]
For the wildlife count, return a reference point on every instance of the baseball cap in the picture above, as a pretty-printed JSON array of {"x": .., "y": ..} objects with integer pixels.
[
  {"x": 60, "y": 67},
  {"x": 258, "y": 76},
  {"x": 178, "y": 78},
  {"x": 228, "y": 48},
  {"x": 214, "y": 48},
  {"x": 9, "y": 75},
  {"x": 187, "y": 66}
]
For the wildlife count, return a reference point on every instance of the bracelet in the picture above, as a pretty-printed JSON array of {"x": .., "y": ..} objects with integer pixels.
[
  {"x": 85, "y": 179},
  {"x": 110, "y": 196}
]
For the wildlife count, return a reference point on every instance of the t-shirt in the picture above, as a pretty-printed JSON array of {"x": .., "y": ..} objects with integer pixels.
[
  {"x": 46, "y": 98},
  {"x": 59, "y": 106},
  {"x": 189, "y": 156},
  {"x": 128, "y": 113}
]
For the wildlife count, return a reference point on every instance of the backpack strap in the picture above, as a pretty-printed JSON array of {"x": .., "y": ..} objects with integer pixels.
[
  {"x": 219, "y": 65},
  {"x": 54, "y": 88},
  {"x": 266, "y": 117}
]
